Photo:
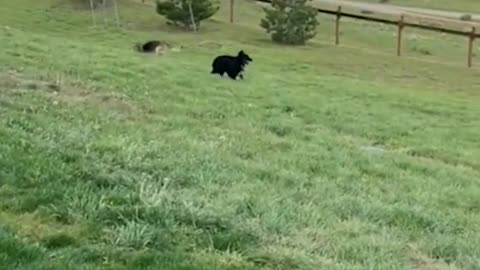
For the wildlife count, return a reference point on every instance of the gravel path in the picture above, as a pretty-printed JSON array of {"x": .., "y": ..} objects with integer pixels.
[{"x": 393, "y": 9}]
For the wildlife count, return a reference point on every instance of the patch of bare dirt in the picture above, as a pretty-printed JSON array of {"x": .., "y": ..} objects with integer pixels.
[
  {"x": 421, "y": 261},
  {"x": 211, "y": 44},
  {"x": 67, "y": 94}
]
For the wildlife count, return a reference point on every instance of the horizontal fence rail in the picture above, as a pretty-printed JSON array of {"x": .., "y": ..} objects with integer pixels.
[{"x": 401, "y": 22}]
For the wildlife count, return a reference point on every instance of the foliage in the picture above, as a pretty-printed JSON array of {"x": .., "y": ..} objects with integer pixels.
[
  {"x": 290, "y": 21},
  {"x": 178, "y": 11}
]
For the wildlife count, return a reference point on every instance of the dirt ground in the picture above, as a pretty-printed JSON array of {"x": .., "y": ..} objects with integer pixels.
[{"x": 393, "y": 9}]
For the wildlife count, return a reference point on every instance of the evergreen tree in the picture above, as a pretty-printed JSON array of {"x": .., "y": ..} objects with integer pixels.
[
  {"x": 290, "y": 22},
  {"x": 177, "y": 12}
]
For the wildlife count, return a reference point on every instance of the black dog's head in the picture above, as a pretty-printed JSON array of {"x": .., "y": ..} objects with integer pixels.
[{"x": 244, "y": 58}]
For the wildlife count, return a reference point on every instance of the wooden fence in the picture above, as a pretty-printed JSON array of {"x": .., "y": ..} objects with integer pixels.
[{"x": 449, "y": 26}]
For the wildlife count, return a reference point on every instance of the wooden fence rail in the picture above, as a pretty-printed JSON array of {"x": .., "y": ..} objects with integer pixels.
[{"x": 392, "y": 20}]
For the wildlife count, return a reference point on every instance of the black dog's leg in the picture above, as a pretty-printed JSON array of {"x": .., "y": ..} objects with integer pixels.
[
  {"x": 240, "y": 74},
  {"x": 232, "y": 75}
]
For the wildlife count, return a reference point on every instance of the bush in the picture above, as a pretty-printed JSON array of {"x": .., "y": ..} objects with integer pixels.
[
  {"x": 466, "y": 17},
  {"x": 178, "y": 12},
  {"x": 290, "y": 21}
]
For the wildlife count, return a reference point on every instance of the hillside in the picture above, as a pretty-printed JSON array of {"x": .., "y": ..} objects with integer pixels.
[{"x": 324, "y": 157}]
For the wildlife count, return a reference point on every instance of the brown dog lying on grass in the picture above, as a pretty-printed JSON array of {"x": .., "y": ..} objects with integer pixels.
[{"x": 152, "y": 46}]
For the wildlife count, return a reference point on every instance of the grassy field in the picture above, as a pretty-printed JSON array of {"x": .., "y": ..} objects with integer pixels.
[
  {"x": 324, "y": 157},
  {"x": 457, "y": 5}
]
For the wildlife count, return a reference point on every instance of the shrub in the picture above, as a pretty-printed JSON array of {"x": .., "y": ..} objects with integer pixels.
[
  {"x": 290, "y": 21},
  {"x": 178, "y": 11},
  {"x": 466, "y": 17}
]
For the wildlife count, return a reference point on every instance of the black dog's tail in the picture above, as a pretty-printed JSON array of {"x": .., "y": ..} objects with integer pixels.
[
  {"x": 214, "y": 70},
  {"x": 214, "y": 66}
]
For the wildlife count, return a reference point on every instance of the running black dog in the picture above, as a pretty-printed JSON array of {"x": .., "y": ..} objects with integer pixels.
[{"x": 232, "y": 65}]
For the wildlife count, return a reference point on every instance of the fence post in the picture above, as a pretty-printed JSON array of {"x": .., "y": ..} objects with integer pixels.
[
  {"x": 232, "y": 4},
  {"x": 399, "y": 35},
  {"x": 117, "y": 17},
  {"x": 192, "y": 18},
  {"x": 92, "y": 11},
  {"x": 337, "y": 25},
  {"x": 471, "y": 39}
]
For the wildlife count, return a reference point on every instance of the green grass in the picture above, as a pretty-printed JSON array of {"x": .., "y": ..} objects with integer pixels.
[
  {"x": 324, "y": 157},
  {"x": 457, "y": 5}
]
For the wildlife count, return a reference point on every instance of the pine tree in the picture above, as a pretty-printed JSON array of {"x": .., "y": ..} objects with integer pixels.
[
  {"x": 177, "y": 12},
  {"x": 290, "y": 22}
]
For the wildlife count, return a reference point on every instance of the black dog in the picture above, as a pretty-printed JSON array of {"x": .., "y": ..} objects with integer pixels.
[{"x": 232, "y": 65}]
